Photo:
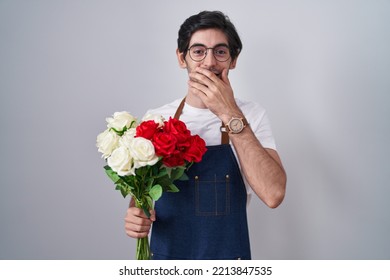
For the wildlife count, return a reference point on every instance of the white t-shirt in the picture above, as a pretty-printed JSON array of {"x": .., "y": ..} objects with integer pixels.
[{"x": 207, "y": 125}]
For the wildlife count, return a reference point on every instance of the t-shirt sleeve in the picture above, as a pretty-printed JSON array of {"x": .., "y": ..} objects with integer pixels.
[{"x": 261, "y": 126}]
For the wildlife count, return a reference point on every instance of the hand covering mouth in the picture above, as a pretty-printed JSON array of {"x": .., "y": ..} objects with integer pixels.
[{"x": 218, "y": 74}]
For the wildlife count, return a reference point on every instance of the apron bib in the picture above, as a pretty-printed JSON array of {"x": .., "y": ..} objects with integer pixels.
[{"x": 207, "y": 218}]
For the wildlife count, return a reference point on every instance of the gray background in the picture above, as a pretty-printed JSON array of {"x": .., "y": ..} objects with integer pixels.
[{"x": 321, "y": 69}]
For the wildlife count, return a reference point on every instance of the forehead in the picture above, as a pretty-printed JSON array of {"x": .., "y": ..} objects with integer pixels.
[{"x": 208, "y": 37}]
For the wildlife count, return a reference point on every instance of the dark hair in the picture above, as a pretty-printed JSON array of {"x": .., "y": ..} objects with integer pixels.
[{"x": 206, "y": 20}]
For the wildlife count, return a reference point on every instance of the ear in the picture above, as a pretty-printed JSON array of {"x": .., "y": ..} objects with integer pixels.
[
  {"x": 233, "y": 63},
  {"x": 181, "y": 59}
]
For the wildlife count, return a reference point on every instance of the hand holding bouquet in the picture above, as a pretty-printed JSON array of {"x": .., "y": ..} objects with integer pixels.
[{"x": 145, "y": 159}]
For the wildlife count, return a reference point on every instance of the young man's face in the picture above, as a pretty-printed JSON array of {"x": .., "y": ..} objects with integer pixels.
[{"x": 209, "y": 38}]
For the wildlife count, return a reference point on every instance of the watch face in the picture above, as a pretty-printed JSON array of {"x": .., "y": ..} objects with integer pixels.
[{"x": 236, "y": 125}]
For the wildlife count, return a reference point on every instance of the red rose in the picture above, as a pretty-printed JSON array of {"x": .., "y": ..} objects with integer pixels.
[
  {"x": 178, "y": 129},
  {"x": 146, "y": 129},
  {"x": 183, "y": 146},
  {"x": 164, "y": 143},
  {"x": 196, "y": 149},
  {"x": 174, "y": 159}
]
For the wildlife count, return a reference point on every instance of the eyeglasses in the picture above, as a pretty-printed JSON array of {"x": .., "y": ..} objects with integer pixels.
[{"x": 199, "y": 52}]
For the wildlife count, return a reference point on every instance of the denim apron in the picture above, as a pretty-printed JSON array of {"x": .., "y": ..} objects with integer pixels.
[{"x": 207, "y": 218}]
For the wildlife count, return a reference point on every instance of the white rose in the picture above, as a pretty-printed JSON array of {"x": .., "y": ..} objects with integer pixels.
[
  {"x": 120, "y": 120},
  {"x": 143, "y": 152},
  {"x": 106, "y": 142},
  {"x": 156, "y": 118},
  {"x": 121, "y": 161},
  {"x": 127, "y": 138}
]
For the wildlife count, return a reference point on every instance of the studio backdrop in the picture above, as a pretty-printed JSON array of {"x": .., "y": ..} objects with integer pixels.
[{"x": 320, "y": 68}]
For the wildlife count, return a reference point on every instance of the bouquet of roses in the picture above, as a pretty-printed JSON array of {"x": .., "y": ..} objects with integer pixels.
[{"x": 145, "y": 159}]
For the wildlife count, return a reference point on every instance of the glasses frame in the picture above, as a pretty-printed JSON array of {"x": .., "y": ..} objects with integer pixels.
[{"x": 206, "y": 52}]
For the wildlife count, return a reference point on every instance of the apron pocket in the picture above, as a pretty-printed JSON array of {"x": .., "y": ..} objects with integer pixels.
[{"x": 212, "y": 196}]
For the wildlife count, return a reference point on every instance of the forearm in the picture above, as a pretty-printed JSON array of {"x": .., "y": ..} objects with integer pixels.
[{"x": 261, "y": 167}]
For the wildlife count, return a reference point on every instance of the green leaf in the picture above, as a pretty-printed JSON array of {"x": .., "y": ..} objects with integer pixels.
[
  {"x": 124, "y": 192},
  {"x": 123, "y": 189},
  {"x": 146, "y": 210},
  {"x": 149, "y": 201},
  {"x": 177, "y": 173},
  {"x": 163, "y": 172},
  {"x": 173, "y": 188},
  {"x": 142, "y": 171},
  {"x": 169, "y": 171},
  {"x": 149, "y": 184},
  {"x": 112, "y": 174},
  {"x": 156, "y": 192},
  {"x": 143, "y": 204},
  {"x": 184, "y": 177}
]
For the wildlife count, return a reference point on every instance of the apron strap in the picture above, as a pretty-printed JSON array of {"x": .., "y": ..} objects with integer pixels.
[
  {"x": 180, "y": 109},
  {"x": 224, "y": 135}
]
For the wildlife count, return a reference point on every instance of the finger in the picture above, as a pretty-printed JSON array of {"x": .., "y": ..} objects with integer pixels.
[
  {"x": 210, "y": 75},
  {"x": 152, "y": 215},
  {"x": 206, "y": 76},
  {"x": 198, "y": 88},
  {"x": 140, "y": 219},
  {"x": 138, "y": 216},
  {"x": 137, "y": 220},
  {"x": 224, "y": 76},
  {"x": 135, "y": 211},
  {"x": 136, "y": 228},
  {"x": 136, "y": 232},
  {"x": 200, "y": 78}
]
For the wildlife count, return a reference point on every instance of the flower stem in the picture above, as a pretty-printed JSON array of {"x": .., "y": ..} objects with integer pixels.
[{"x": 143, "y": 249}]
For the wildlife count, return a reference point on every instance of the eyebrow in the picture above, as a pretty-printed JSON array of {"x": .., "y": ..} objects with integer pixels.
[{"x": 203, "y": 45}]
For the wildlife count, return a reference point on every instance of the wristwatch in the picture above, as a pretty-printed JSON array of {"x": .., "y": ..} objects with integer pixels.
[{"x": 235, "y": 125}]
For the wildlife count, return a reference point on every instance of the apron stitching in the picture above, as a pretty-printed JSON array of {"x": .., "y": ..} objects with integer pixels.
[{"x": 216, "y": 194}]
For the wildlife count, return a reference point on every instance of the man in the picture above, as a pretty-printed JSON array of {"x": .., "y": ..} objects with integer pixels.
[{"x": 207, "y": 218}]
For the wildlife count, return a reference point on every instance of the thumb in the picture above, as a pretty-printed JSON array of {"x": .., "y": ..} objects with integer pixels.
[
  {"x": 225, "y": 76},
  {"x": 152, "y": 215}
]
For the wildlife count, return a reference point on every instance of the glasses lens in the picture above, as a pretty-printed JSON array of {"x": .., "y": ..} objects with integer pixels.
[
  {"x": 197, "y": 53},
  {"x": 221, "y": 53}
]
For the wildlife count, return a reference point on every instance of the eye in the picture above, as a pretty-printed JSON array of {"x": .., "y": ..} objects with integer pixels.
[
  {"x": 198, "y": 51},
  {"x": 221, "y": 51}
]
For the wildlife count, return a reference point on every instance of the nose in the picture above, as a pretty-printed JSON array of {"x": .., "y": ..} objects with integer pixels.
[{"x": 209, "y": 60}]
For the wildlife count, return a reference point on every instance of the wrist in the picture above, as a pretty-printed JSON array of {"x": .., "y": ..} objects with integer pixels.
[{"x": 226, "y": 117}]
